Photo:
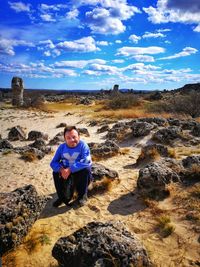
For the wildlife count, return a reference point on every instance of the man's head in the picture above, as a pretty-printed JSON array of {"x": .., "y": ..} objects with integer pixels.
[{"x": 71, "y": 136}]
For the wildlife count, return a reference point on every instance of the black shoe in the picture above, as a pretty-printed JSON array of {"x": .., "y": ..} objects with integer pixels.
[
  {"x": 82, "y": 201},
  {"x": 66, "y": 202},
  {"x": 57, "y": 203}
]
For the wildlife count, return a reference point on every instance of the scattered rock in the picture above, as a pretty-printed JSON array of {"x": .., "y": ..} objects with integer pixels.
[
  {"x": 154, "y": 177},
  {"x": 62, "y": 124},
  {"x": 104, "y": 150},
  {"x": 34, "y": 135},
  {"x": 168, "y": 135},
  {"x": 101, "y": 244},
  {"x": 16, "y": 133},
  {"x": 5, "y": 144},
  {"x": 99, "y": 171},
  {"x": 141, "y": 128},
  {"x": 19, "y": 209}
]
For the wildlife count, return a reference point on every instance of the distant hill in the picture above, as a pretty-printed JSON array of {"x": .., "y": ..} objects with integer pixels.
[{"x": 188, "y": 88}]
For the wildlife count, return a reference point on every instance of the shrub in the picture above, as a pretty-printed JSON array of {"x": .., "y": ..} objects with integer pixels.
[
  {"x": 123, "y": 101},
  {"x": 188, "y": 104}
]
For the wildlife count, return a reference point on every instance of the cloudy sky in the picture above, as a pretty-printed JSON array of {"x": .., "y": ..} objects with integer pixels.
[{"x": 90, "y": 44}]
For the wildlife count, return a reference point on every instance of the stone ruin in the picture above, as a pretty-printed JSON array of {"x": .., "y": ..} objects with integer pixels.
[{"x": 17, "y": 86}]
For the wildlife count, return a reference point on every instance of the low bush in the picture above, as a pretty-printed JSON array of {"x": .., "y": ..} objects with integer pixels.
[{"x": 123, "y": 101}]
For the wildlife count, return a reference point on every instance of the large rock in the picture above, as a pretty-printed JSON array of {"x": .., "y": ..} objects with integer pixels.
[
  {"x": 196, "y": 130},
  {"x": 152, "y": 152},
  {"x": 154, "y": 177},
  {"x": 191, "y": 160},
  {"x": 34, "y": 135},
  {"x": 101, "y": 244},
  {"x": 5, "y": 144},
  {"x": 141, "y": 128},
  {"x": 41, "y": 145},
  {"x": 99, "y": 172},
  {"x": 18, "y": 211},
  {"x": 104, "y": 150},
  {"x": 168, "y": 135},
  {"x": 16, "y": 133}
]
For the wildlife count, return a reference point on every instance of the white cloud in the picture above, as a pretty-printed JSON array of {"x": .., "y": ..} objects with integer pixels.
[
  {"x": 153, "y": 35},
  {"x": 141, "y": 66},
  {"x": 109, "y": 70},
  {"x": 132, "y": 51},
  {"x": 197, "y": 28},
  {"x": 44, "y": 7},
  {"x": 85, "y": 44},
  {"x": 78, "y": 63},
  {"x": 118, "y": 41},
  {"x": 187, "y": 51},
  {"x": 144, "y": 58},
  {"x": 103, "y": 43},
  {"x": 48, "y": 44},
  {"x": 174, "y": 11},
  {"x": 7, "y": 46},
  {"x": 118, "y": 61},
  {"x": 47, "y": 17},
  {"x": 134, "y": 38},
  {"x": 100, "y": 21},
  {"x": 107, "y": 16},
  {"x": 20, "y": 7},
  {"x": 73, "y": 14}
]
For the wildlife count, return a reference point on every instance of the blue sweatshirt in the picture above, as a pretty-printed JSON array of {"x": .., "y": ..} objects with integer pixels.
[{"x": 76, "y": 158}]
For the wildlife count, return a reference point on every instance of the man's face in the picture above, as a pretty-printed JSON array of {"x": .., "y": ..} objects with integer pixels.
[{"x": 72, "y": 138}]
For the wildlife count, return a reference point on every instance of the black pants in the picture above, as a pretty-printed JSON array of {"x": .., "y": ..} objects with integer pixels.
[{"x": 78, "y": 180}]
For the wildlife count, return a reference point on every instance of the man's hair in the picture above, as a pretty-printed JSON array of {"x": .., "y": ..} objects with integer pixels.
[{"x": 70, "y": 128}]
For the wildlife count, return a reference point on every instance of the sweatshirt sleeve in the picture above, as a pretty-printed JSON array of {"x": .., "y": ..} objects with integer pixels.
[
  {"x": 56, "y": 163},
  {"x": 84, "y": 160}
]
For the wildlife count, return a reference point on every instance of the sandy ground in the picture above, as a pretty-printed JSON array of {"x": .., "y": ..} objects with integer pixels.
[{"x": 120, "y": 203}]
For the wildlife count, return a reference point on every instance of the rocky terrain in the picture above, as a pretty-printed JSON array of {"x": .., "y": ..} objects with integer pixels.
[{"x": 147, "y": 174}]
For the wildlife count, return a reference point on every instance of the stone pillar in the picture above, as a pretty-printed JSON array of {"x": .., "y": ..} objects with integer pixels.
[
  {"x": 116, "y": 88},
  {"x": 17, "y": 86}
]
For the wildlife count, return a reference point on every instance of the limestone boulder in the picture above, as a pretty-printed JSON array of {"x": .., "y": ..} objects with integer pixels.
[
  {"x": 34, "y": 135},
  {"x": 168, "y": 135},
  {"x": 19, "y": 210},
  {"x": 16, "y": 133},
  {"x": 154, "y": 177},
  {"x": 99, "y": 171},
  {"x": 141, "y": 128},
  {"x": 104, "y": 150},
  {"x": 101, "y": 244}
]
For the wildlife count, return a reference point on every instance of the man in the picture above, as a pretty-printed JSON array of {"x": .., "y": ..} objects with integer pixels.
[{"x": 71, "y": 166}]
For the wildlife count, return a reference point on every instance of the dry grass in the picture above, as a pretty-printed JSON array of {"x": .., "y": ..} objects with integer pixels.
[
  {"x": 164, "y": 226},
  {"x": 35, "y": 240},
  {"x": 102, "y": 186},
  {"x": 153, "y": 206},
  {"x": 189, "y": 201},
  {"x": 29, "y": 156},
  {"x": 181, "y": 152}
]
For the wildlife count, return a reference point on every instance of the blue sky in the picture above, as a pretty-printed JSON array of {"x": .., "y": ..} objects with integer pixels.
[{"x": 89, "y": 44}]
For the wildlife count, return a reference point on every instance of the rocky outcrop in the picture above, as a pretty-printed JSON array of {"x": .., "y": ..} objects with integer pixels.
[
  {"x": 5, "y": 144},
  {"x": 84, "y": 131},
  {"x": 41, "y": 145},
  {"x": 152, "y": 152},
  {"x": 104, "y": 150},
  {"x": 196, "y": 130},
  {"x": 99, "y": 171},
  {"x": 101, "y": 244},
  {"x": 168, "y": 135},
  {"x": 19, "y": 210},
  {"x": 103, "y": 129},
  {"x": 154, "y": 178},
  {"x": 34, "y": 135},
  {"x": 141, "y": 128},
  {"x": 56, "y": 140},
  {"x": 16, "y": 133}
]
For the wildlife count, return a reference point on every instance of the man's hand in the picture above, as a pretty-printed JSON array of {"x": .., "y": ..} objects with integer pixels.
[{"x": 65, "y": 173}]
